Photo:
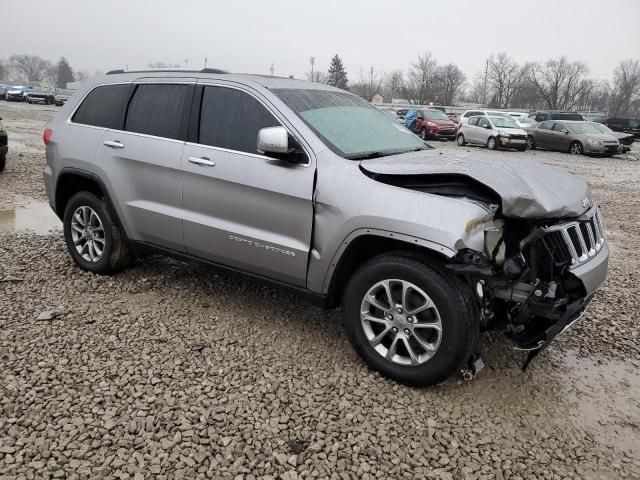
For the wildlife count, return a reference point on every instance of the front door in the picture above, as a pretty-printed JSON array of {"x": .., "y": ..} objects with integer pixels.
[{"x": 241, "y": 208}]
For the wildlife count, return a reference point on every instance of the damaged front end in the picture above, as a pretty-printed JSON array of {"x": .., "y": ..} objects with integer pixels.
[{"x": 534, "y": 278}]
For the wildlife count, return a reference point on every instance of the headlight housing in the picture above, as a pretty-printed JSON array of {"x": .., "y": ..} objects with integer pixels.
[
  {"x": 595, "y": 143},
  {"x": 502, "y": 133}
]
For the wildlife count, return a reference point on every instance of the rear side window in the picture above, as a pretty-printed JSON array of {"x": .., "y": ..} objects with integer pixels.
[
  {"x": 566, "y": 116},
  {"x": 483, "y": 122},
  {"x": 157, "y": 109},
  {"x": 231, "y": 119},
  {"x": 541, "y": 117},
  {"x": 104, "y": 107},
  {"x": 545, "y": 125}
]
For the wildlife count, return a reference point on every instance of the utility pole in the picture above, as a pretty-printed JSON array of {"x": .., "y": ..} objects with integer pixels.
[
  {"x": 312, "y": 60},
  {"x": 205, "y": 62},
  {"x": 186, "y": 63},
  {"x": 484, "y": 88},
  {"x": 272, "y": 69}
]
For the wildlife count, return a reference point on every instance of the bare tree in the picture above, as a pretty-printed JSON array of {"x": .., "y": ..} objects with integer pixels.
[
  {"x": 31, "y": 67},
  {"x": 503, "y": 76},
  {"x": 393, "y": 85},
  {"x": 419, "y": 86},
  {"x": 561, "y": 84},
  {"x": 368, "y": 84},
  {"x": 449, "y": 80},
  {"x": 624, "y": 95},
  {"x": 317, "y": 76}
]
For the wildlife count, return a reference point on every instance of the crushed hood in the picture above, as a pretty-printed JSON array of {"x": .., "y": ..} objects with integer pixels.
[{"x": 526, "y": 189}]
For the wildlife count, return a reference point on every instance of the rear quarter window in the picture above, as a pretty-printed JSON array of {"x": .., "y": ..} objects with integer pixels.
[{"x": 104, "y": 106}]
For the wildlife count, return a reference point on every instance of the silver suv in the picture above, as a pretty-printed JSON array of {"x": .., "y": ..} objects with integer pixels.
[{"x": 312, "y": 188}]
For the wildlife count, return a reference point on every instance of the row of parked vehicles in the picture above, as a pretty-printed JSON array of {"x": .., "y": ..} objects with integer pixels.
[
  {"x": 551, "y": 130},
  {"x": 24, "y": 93}
]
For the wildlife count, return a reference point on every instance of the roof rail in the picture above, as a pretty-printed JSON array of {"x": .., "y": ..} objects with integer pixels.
[{"x": 204, "y": 70}]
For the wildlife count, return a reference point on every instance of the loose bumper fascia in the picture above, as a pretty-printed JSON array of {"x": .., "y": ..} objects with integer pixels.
[{"x": 593, "y": 273}]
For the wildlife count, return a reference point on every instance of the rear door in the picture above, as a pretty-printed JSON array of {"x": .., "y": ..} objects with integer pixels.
[
  {"x": 141, "y": 161},
  {"x": 241, "y": 208},
  {"x": 543, "y": 135}
]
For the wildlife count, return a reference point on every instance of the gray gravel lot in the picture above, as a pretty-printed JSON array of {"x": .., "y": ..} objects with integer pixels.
[{"x": 170, "y": 370}]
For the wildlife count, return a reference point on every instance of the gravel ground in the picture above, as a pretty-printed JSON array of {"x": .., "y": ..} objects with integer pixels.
[{"x": 170, "y": 370}]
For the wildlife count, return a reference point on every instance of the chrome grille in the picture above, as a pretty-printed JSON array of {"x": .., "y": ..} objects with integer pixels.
[{"x": 577, "y": 241}]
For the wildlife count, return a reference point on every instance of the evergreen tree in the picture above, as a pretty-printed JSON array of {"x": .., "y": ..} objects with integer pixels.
[
  {"x": 337, "y": 74},
  {"x": 65, "y": 73}
]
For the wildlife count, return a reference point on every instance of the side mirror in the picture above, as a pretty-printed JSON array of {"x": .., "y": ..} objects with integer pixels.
[
  {"x": 488, "y": 127},
  {"x": 566, "y": 132},
  {"x": 274, "y": 140}
]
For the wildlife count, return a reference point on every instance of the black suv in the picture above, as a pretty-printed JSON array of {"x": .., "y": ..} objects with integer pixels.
[
  {"x": 543, "y": 116},
  {"x": 625, "y": 125}
]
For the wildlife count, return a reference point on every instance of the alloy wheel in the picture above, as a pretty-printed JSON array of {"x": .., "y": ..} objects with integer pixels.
[
  {"x": 401, "y": 322},
  {"x": 576, "y": 149},
  {"x": 88, "y": 234},
  {"x": 491, "y": 144}
]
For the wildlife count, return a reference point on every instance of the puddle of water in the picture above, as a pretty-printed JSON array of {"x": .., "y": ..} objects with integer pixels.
[
  {"x": 606, "y": 396},
  {"x": 34, "y": 217}
]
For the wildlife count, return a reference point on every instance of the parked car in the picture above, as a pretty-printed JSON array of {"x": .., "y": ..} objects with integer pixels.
[
  {"x": 311, "y": 188},
  {"x": 517, "y": 115},
  {"x": 625, "y": 139},
  {"x": 391, "y": 113},
  {"x": 524, "y": 122},
  {"x": 464, "y": 118},
  {"x": 625, "y": 125},
  {"x": 555, "y": 115},
  {"x": 402, "y": 112},
  {"x": 572, "y": 136},
  {"x": 433, "y": 124},
  {"x": 17, "y": 93},
  {"x": 40, "y": 95},
  {"x": 62, "y": 95},
  {"x": 494, "y": 132},
  {"x": 4, "y": 145},
  {"x": 453, "y": 117}
]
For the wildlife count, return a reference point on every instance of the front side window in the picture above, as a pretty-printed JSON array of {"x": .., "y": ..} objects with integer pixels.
[
  {"x": 231, "y": 119},
  {"x": 559, "y": 127},
  {"x": 104, "y": 106},
  {"x": 157, "y": 109},
  {"x": 349, "y": 125},
  {"x": 474, "y": 120},
  {"x": 541, "y": 117},
  {"x": 483, "y": 122},
  {"x": 634, "y": 123}
]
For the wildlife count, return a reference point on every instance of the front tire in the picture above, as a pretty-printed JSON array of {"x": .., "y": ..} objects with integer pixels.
[
  {"x": 94, "y": 240},
  {"x": 576, "y": 148},
  {"x": 460, "y": 140},
  {"x": 3, "y": 162},
  {"x": 409, "y": 321},
  {"x": 423, "y": 134},
  {"x": 531, "y": 143},
  {"x": 491, "y": 143}
]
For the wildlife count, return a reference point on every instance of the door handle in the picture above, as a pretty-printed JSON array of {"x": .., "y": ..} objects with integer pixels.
[
  {"x": 202, "y": 161},
  {"x": 114, "y": 144}
]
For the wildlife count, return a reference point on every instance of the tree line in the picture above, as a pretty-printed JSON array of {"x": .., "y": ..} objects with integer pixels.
[
  {"x": 556, "y": 84},
  {"x": 25, "y": 68}
]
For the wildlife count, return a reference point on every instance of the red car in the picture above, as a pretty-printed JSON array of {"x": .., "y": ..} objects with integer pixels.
[{"x": 434, "y": 124}]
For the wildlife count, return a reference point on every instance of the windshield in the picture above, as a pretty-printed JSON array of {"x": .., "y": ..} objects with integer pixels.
[
  {"x": 526, "y": 120},
  {"x": 504, "y": 122},
  {"x": 582, "y": 128},
  {"x": 435, "y": 115},
  {"x": 566, "y": 116},
  {"x": 349, "y": 125},
  {"x": 601, "y": 128},
  {"x": 634, "y": 123}
]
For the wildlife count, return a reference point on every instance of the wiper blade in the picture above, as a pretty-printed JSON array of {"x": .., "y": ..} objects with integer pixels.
[{"x": 365, "y": 156}]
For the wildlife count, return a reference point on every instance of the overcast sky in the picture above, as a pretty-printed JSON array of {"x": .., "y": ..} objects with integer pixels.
[{"x": 249, "y": 35}]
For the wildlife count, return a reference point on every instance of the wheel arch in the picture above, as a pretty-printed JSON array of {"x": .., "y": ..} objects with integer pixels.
[
  {"x": 363, "y": 245},
  {"x": 73, "y": 180}
]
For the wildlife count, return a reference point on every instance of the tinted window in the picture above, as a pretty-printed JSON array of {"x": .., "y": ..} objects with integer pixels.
[
  {"x": 104, "y": 107},
  {"x": 231, "y": 119},
  {"x": 157, "y": 110},
  {"x": 566, "y": 116},
  {"x": 541, "y": 117}
]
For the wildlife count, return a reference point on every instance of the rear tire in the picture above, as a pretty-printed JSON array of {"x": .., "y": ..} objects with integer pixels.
[
  {"x": 460, "y": 140},
  {"x": 3, "y": 162},
  {"x": 576, "y": 148},
  {"x": 93, "y": 238},
  {"x": 423, "y": 134},
  {"x": 422, "y": 355}
]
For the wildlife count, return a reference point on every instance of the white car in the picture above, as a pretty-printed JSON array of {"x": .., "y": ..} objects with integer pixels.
[
  {"x": 464, "y": 118},
  {"x": 494, "y": 132}
]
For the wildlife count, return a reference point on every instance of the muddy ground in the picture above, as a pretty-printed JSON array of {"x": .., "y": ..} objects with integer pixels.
[{"x": 170, "y": 370}]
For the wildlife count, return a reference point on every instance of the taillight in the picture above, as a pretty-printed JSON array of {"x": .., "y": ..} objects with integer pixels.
[{"x": 46, "y": 136}]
